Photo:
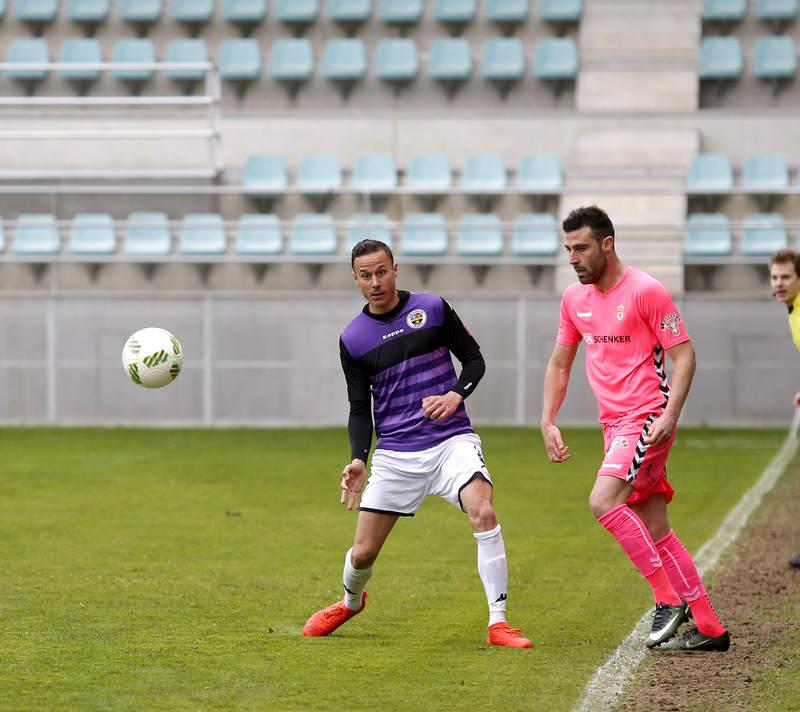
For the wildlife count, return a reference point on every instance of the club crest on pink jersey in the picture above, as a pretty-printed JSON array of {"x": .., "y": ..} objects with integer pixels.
[
  {"x": 671, "y": 322},
  {"x": 620, "y": 312}
]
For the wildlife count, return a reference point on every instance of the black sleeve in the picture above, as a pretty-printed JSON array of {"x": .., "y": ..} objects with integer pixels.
[
  {"x": 462, "y": 344},
  {"x": 359, "y": 424}
]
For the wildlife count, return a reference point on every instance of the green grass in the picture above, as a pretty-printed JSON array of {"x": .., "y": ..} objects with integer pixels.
[{"x": 175, "y": 569}]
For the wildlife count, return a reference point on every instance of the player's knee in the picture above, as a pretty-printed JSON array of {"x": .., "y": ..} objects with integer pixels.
[
  {"x": 600, "y": 504},
  {"x": 483, "y": 517},
  {"x": 363, "y": 556}
]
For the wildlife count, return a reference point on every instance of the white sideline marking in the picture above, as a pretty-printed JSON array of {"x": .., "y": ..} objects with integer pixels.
[{"x": 604, "y": 689}]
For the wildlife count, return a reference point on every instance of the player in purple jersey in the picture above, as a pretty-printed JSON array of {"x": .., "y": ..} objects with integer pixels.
[{"x": 396, "y": 361}]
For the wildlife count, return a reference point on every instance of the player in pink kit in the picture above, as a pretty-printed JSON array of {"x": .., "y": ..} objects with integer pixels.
[{"x": 627, "y": 322}]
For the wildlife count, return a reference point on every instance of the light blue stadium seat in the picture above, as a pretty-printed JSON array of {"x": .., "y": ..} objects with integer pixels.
[
  {"x": 244, "y": 12},
  {"x": 35, "y": 11},
  {"x": 483, "y": 173},
  {"x": 36, "y": 234},
  {"x": 92, "y": 234},
  {"x": 507, "y": 12},
  {"x": 710, "y": 172},
  {"x": 27, "y": 50},
  {"x": 556, "y": 58},
  {"x": 454, "y": 12},
  {"x": 344, "y": 59},
  {"x": 429, "y": 172},
  {"x": 765, "y": 172},
  {"x": 724, "y": 10},
  {"x": 775, "y": 58},
  {"x": 2, "y": 235},
  {"x": 264, "y": 175},
  {"x": 291, "y": 59},
  {"x": 319, "y": 173},
  {"x": 239, "y": 60},
  {"x": 80, "y": 51},
  {"x": 560, "y": 11},
  {"x": 396, "y": 59},
  {"x": 449, "y": 59},
  {"x": 202, "y": 234},
  {"x": 707, "y": 235},
  {"x": 423, "y": 234},
  {"x": 367, "y": 226},
  {"x": 258, "y": 234},
  {"x": 2, "y": 17},
  {"x": 186, "y": 51},
  {"x": 503, "y": 59},
  {"x": 147, "y": 234},
  {"x": 312, "y": 234},
  {"x": 374, "y": 173},
  {"x": 479, "y": 235},
  {"x": 401, "y": 12},
  {"x": 720, "y": 58},
  {"x": 297, "y": 13},
  {"x": 133, "y": 51},
  {"x": 534, "y": 235},
  {"x": 775, "y": 10},
  {"x": 349, "y": 12},
  {"x": 191, "y": 12},
  {"x": 763, "y": 233},
  {"x": 140, "y": 12},
  {"x": 87, "y": 12},
  {"x": 539, "y": 173}
]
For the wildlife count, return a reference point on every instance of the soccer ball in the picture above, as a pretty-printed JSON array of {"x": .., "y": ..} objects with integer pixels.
[{"x": 152, "y": 357}]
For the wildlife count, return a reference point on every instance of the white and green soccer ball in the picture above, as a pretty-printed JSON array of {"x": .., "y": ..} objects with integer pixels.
[{"x": 152, "y": 357}]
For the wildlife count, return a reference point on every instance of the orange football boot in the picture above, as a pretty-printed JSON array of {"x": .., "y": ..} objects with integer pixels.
[
  {"x": 505, "y": 636},
  {"x": 327, "y": 620}
]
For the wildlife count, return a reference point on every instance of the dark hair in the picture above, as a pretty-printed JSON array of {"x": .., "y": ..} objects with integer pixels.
[
  {"x": 786, "y": 254},
  {"x": 367, "y": 247},
  {"x": 592, "y": 217}
]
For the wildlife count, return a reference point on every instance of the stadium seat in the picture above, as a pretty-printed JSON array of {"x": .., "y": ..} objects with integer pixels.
[
  {"x": 258, "y": 234},
  {"x": 312, "y": 234},
  {"x": 186, "y": 51},
  {"x": 454, "y": 13},
  {"x": 133, "y": 51},
  {"x": 724, "y": 10},
  {"x": 344, "y": 61},
  {"x": 503, "y": 61},
  {"x": 762, "y": 234},
  {"x": 92, "y": 234},
  {"x": 140, "y": 12},
  {"x": 401, "y": 12},
  {"x": 298, "y": 14},
  {"x": 291, "y": 61},
  {"x": 709, "y": 173},
  {"x": 429, "y": 172},
  {"x": 765, "y": 173},
  {"x": 2, "y": 17},
  {"x": 720, "y": 58},
  {"x": 192, "y": 12},
  {"x": 37, "y": 12},
  {"x": 396, "y": 60},
  {"x": 244, "y": 13},
  {"x": 147, "y": 234},
  {"x": 88, "y": 13},
  {"x": 483, "y": 174},
  {"x": 27, "y": 50},
  {"x": 479, "y": 235},
  {"x": 423, "y": 234},
  {"x": 349, "y": 13},
  {"x": 2, "y": 232},
  {"x": 264, "y": 175},
  {"x": 507, "y": 13},
  {"x": 80, "y": 51},
  {"x": 776, "y": 11},
  {"x": 318, "y": 173},
  {"x": 239, "y": 61},
  {"x": 707, "y": 235},
  {"x": 367, "y": 226},
  {"x": 560, "y": 11},
  {"x": 450, "y": 62},
  {"x": 36, "y": 234},
  {"x": 555, "y": 59},
  {"x": 202, "y": 234},
  {"x": 534, "y": 235},
  {"x": 775, "y": 58},
  {"x": 374, "y": 173},
  {"x": 538, "y": 173}
]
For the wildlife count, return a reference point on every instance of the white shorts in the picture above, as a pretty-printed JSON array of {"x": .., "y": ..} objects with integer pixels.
[{"x": 400, "y": 481}]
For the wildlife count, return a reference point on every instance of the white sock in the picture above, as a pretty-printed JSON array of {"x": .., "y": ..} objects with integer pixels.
[
  {"x": 493, "y": 570},
  {"x": 354, "y": 580}
]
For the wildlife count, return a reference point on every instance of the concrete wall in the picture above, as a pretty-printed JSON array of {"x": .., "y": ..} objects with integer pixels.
[{"x": 273, "y": 360}]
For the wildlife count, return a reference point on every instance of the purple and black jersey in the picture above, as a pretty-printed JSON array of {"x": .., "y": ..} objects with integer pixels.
[{"x": 394, "y": 360}]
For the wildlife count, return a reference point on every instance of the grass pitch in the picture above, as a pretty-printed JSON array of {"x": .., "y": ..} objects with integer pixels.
[{"x": 175, "y": 569}]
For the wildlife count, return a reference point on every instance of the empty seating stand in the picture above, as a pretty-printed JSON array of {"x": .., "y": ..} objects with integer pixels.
[
  {"x": 291, "y": 62},
  {"x": 147, "y": 234},
  {"x": 37, "y": 13},
  {"x": 556, "y": 62},
  {"x": 454, "y": 14},
  {"x": 450, "y": 62},
  {"x": 27, "y": 50},
  {"x": 724, "y": 11},
  {"x": 350, "y": 14},
  {"x": 344, "y": 62},
  {"x": 239, "y": 62},
  {"x": 479, "y": 235},
  {"x": 503, "y": 62},
  {"x": 319, "y": 175},
  {"x": 312, "y": 234},
  {"x": 137, "y": 52},
  {"x": 396, "y": 61},
  {"x": 80, "y": 51},
  {"x": 202, "y": 234},
  {"x": 720, "y": 59},
  {"x": 297, "y": 14},
  {"x": 708, "y": 235},
  {"x": 483, "y": 176},
  {"x": 429, "y": 174},
  {"x": 245, "y": 14},
  {"x": 92, "y": 234},
  {"x": 367, "y": 226},
  {"x": 186, "y": 51},
  {"x": 776, "y": 13},
  {"x": 192, "y": 13},
  {"x": 507, "y": 14},
  {"x": 140, "y": 13},
  {"x": 423, "y": 235},
  {"x": 561, "y": 13},
  {"x": 709, "y": 174},
  {"x": 539, "y": 174},
  {"x": 402, "y": 13},
  {"x": 258, "y": 234},
  {"x": 534, "y": 235},
  {"x": 775, "y": 61},
  {"x": 36, "y": 235},
  {"x": 264, "y": 176},
  {"x": 765, "y": 175},
  {"x": 88, "y": 13},
  {"x": 374, "y": 173},
  {"x": 762, "y": 234}
]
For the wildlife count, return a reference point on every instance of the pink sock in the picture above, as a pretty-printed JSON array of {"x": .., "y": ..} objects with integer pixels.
[
  {"x": 686, "y": 581},
  {"x": 631, "y": 533}
]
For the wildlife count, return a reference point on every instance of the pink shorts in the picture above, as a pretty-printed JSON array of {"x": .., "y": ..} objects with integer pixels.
[{"x": 629, "y": 458}]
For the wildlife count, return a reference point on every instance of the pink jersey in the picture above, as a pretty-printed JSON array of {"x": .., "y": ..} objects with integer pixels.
[{"x": 626, "y": 331}]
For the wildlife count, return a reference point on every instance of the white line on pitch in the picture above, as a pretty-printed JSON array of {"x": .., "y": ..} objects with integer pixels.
[{"x": 604, "y": 689}]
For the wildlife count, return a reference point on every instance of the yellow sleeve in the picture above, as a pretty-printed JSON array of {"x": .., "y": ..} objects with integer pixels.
[{"x": 794, "y": 325}]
